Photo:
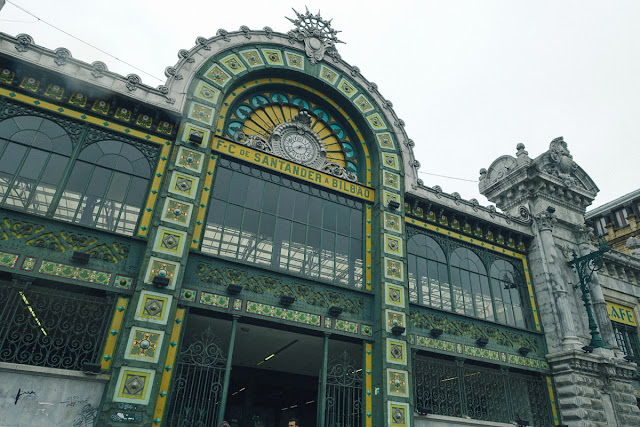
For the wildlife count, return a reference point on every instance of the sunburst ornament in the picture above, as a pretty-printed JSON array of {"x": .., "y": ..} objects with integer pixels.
[{"x": 317, "y": 35}]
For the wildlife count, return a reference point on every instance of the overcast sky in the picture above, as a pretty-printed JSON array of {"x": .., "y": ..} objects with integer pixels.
[{"x": 471, "y": 79}]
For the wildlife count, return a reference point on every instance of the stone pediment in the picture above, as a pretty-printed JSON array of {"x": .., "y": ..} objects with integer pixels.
[{"x": 510, "y": 179}]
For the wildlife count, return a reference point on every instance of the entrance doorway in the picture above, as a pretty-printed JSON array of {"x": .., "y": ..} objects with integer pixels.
[{"x": 275, "y": 375}]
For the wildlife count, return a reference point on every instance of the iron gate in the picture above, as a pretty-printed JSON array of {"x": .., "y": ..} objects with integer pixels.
[
  {"x": 198, "y": 383},
  {"x": 344, "y": 392}
]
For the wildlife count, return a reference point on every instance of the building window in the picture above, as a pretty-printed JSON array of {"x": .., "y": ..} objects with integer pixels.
[
  {"x": 106, "y": 188},
  {"x": 479, "y": 391},
  {"x": 261, "y": 218},
  {"x": 103, "y": 185},
  {"x": 459, "y": 282},
  {"x": 601, "y": 226},
  {"x": 34, "y": 153},
  {"x": 55, "y": 328},
  {"x": 627, "y": 339},
  {"x": 621, "y": 217}
]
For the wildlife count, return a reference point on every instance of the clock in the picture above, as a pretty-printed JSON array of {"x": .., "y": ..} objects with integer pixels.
[
  {"x": 297, "y": 142},
  {"x": 299, "y": 147}
]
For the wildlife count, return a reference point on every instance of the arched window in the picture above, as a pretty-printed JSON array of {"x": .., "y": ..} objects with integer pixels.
[
  {"x": 508, "y": 286},
  {"x": 107, "y": 187},
  {"x": 428, "y": 275},
  {"x": 34, "y": 153},
  {"x": 470, "y": 285}
]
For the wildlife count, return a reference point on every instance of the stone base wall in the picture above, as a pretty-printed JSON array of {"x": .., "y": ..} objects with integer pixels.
[{"x": 594, "y": 390}]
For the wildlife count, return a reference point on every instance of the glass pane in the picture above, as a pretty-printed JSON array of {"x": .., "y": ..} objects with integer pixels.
[{"x": 222, "y": 182}]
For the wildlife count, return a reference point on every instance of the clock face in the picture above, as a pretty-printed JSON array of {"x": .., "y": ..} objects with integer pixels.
[{"x": 299, "y": 148}]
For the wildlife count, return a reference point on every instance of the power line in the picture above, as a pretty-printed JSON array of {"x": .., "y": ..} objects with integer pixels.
[
  {"x": 450, "y": 177},
  {"x": 82, "y": 41}
]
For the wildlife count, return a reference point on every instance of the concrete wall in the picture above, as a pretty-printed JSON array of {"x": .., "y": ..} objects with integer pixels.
[{"x": 36, "y": 396}]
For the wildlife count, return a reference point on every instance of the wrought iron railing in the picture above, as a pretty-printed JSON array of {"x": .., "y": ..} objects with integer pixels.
[
  {"x": 344, "y": 392},
  {"x": 462, "y": 389},
  {"x": 54, "y": 328}
]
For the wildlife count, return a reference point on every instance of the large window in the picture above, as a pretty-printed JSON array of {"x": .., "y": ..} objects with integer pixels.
[
  {"x": 105, "y": 187},
  {"x": 455, "y": 279},
  {"x": 627, "y": 339},
  {"x": 262, "y": 218},
  {"x": 482, "y": 392}
]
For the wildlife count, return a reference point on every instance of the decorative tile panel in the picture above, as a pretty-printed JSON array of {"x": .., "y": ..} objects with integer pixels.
[
  {"x": 144, "y": 120},
  {"x": 282, "y": 313},
  {"x": 191, "y": 129},
  {"x": 393, "y": 245},
  {"x": 376, "y": 122},
  {"x": 273, "y": 56},
  {"x": 7, "y": 76},
  {"x": 294, "y": 60},
  {"x": 29, "y": 83},
  {"x": 233, "y": 64},
  {"x": 392, "y": 222},
  {"x": 100, "y": 106},
  {"x": 481, "y": 353},
  {"x": 435, "y": 343},
  {"x": 393, "y": 269},
  {"x": 347, "y": 88},
  {"x": 363, "y": 104},
  {"x": 177, "y": 212},
  {"x": 184, "y": 185},
  {"x": 328, "y": 75},
  {"x": 144, "y": 344},
  {"x": 216, "y": 75},
  {"x": 526, "y": 361},
  {"x": 134, "y": 385},
  {"x": 385, "y": 141},
  {"x": 190, "y": 159},
  {"x": 237, "y": 304},
  {"x": 345, "y": 326},
  {"x": 123, "y": 114},
  {"x": 78, "y": 99},
  {"x": 153, "y": 307},
  {"x": 390, "y": 161},
  {"x": 54, "y": 91},
  {"x": 387, "y": 196},
  {"x": 328, "y": 322},
  {"x": 74, "y": 273},
  {"x": 394, "y": 318},
  {"x": 201, "y": 113},
  {"x": 188, "y": 295},
  {"x": 162, "y": 268},
  {"x": 397, "y": 383},
  {"x": 396, "y": 351},
  {"x": 391, "y": 180},
  {"x": 170, "y": 242},
  {"x": 8, "y": 260},
  {"x": 214, "y": 300},
  {"x": 206, "y": 92},
  {"x": 394, "y": 295},
  {"x": 367, "y": 330},
  {"x": 29, "y": 263},
  {"x": 123, "y": 282},
  {"x": 252, "y": 58},
  {"x": 399, "y": 414}
]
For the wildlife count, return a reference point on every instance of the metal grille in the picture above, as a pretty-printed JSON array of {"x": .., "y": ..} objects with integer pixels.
[
  {"x": 198, "y": 383},
  {"x": 344, "y": 393},
  {"x": 459, "y": 389},
  {"x": 52, "y": 328}
]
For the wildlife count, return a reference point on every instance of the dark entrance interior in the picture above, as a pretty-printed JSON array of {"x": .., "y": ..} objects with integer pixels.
[
  {"x": 260, "y": 397},
  {"x": 274, "y": 376}
]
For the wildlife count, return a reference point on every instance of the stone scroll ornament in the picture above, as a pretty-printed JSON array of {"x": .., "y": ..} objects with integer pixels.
[
  {"x": 317, "y": 35},
  {"x": 297, "y": 142}
]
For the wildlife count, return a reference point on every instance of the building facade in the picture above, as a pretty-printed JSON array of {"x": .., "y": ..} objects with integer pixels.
[{"x": 250, "y": 242}]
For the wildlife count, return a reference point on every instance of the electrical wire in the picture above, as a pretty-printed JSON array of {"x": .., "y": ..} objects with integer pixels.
[
  {"x": 449, "y": 177},
  {"x": 82, "y": 41}
]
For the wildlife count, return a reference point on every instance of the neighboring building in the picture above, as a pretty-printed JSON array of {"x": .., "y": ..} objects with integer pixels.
[
  {"x": 617, "y": 221},
  {"x": 251, "y": 242}
]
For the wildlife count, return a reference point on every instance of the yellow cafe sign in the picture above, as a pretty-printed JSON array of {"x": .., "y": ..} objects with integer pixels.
[{"x": 621, "y": 314}]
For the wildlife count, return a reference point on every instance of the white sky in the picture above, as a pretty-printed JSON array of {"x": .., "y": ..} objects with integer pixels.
[{"x": 471, "y": 79}]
